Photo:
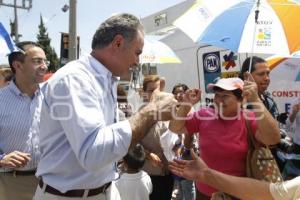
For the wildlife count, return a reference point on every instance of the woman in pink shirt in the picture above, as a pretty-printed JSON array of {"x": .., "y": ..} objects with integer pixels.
[{"x": 222, "y": 130}]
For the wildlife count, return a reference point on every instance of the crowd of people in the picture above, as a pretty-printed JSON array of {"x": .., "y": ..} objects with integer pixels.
[{"x": 75, "y": 136}]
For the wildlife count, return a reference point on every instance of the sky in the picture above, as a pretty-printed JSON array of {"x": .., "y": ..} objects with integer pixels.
[{"x": 90, "y": 14}]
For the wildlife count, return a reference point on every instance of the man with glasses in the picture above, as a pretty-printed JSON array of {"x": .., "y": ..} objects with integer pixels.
[{"x": 20, "y": 105}]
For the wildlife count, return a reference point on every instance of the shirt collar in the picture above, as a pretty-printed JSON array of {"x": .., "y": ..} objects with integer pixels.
[
  {"x": 13, "y": 87},
  {"x": 99, "y": 67}
]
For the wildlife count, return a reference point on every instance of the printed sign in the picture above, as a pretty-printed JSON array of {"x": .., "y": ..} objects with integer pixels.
[
  {"x": 212, "y": 67},
  {"x": 264, "y": 33},
  {"x": 230, "y": 67},
  {"x": 229, "y": 63},
  {"x": 230, "y": 74},
  {"x": 285, "y": 83}
]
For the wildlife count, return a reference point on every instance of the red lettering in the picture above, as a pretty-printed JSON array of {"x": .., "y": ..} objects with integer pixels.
[{"x": 284, "y": 93}]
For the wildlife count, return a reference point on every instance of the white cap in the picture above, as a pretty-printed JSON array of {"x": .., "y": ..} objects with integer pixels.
[{"x": 227, "y": 84}]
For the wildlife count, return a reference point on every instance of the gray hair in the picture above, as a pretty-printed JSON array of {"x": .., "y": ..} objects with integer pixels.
[{"x": 123, "y": 24}]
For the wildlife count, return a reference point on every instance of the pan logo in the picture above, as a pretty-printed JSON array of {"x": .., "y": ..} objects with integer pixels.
[{"x": 211, "y": 62}]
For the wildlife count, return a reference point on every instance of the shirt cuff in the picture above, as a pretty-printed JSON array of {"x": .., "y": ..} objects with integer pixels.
[
  {"x": 278, "y": 191},
  {"x": 2, "y": 156},
  {"x": 125, "y": 134}
]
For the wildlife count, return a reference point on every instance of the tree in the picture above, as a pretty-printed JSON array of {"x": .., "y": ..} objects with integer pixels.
[{"x": 44, "y": 40}]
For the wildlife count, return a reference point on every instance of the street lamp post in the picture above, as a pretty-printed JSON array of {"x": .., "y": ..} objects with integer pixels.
[
  {"x": 72, "y": 31},
  {"x": 16, "y": 23}
]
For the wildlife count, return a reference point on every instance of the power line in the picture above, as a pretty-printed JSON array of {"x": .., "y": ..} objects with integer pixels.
[
  {"x": 22, "y": 4},
  {"x": 18, "y": 4}
]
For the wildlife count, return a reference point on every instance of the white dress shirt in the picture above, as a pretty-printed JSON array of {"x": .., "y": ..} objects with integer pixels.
[
  {"x": 288, "y": 190},
  {"x": 79, "y": 141}
]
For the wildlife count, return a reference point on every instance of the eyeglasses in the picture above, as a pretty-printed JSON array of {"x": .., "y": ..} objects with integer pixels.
[{"x": 40, "y": 61}]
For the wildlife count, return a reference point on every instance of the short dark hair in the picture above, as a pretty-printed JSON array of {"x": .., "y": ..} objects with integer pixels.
[
  {"x": 237, "y": 92},
  {"x": 19, "y": 55},
  {"x": 135, "y": 158},
  {"x": 123, "y": 24},
  {"x": 178, "y": 85},
  {"x": 246, "y": 63}
]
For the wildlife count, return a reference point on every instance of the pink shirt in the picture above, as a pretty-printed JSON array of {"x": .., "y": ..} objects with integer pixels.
[{"x": 223, "y": 143}]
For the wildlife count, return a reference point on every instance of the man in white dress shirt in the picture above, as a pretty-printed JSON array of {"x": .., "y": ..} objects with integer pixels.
[{"x": 81, "y": 139}]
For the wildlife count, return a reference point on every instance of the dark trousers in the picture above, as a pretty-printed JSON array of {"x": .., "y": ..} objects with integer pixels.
[
  {"x": 295, "y": 148},
  {"x": 162, "y": 187}
]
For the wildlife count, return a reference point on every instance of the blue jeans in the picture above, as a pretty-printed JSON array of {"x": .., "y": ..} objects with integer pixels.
[{"x": 187, "y": 190}]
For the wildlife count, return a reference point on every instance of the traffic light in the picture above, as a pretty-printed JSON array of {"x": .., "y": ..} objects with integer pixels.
[
  {"x": 64, "y": 48},
  {"x": 12, "y": 29},
  {"x": 65, "y": 41}
]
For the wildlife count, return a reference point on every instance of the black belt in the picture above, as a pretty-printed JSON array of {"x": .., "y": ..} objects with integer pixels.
[
  {"x": 74, "y": 193},
  {"x": 22, "y": 173}
]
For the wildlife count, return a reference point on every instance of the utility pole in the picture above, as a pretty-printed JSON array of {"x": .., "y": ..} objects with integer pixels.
[
  {"x": 25, "y": 4},
  {"x": 72, "y": 31},
  {"x": 16, "y": 33}
]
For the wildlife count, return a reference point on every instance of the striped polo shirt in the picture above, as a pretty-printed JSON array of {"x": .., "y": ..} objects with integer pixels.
[{"x": 19, "y": 123}]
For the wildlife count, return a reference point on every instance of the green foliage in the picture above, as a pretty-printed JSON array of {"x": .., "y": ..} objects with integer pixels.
[{"x": 44, "y": 40}]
